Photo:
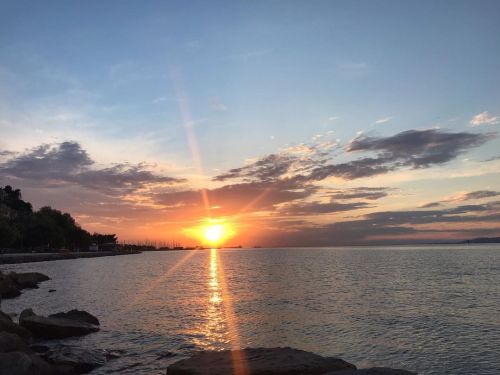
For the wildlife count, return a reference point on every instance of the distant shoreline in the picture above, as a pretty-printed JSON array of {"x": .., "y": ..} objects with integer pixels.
[{"x": 15, "y": 258}]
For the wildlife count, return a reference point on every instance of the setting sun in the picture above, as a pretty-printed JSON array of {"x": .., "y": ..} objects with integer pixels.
[{"x": 214, "y": 233}]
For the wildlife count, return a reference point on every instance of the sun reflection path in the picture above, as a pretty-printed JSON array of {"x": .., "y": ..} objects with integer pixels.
[
  {"x": 215, "y": 329},
  {"x": 221, "y": 297}
]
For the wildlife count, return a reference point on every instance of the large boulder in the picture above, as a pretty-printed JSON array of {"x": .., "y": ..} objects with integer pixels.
[
  {"x": 79, "y": 315},
  {"x": 373, "y": 371},
  {"x": 8, "y": 288},
  {"x": 7, "y": 325},
  {"x": 28, "y": 279},
  {"x": 75, "y": 360},
  {"x": 20, "y": 363},
  {"x": 4, "y": 316},
  {"x": 54, "y": 327},
  {"x": 12, "y": 283},
  {"x": 10, "y": 342},
  {"x": 258, "y": 361}
]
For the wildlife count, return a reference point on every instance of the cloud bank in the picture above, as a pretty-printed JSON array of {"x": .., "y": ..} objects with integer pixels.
[{"x": 288, "y": 194}]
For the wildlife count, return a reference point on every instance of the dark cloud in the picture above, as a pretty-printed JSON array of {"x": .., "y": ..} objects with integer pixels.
[
  {"x": 365, "y": 167},
  {"x": 370, "y": 193},
  {"x": 68, "y": 163},
  {"x": 493, "y": 158},
  {"x": 431, "y": 205},
  {"x": 267, "y": 168},
  {"x": 391, "y": 227},
  {"x": 315, "y": 208},
  {"x": 48, "y": 162},
  {"x": 122, "y": 177},
  {"x": 419, "y": 148},
  {"x": 480, "y": 194},
  {"x": 410, "y": 149}
]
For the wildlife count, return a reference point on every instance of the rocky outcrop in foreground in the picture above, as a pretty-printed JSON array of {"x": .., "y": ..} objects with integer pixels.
[
  {"x": 12, "y": 283},
  {"x": 18, "y": 355},
  {"x": 60, "y": 325},
  {"x": 270, "y": 361},
  {"x": 77, "y": 315}
]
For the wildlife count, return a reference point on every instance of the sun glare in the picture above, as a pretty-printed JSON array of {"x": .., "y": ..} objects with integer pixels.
[{"x": 214, "y": 233}]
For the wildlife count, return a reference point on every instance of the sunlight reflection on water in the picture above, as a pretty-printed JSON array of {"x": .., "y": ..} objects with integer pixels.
[{"x": 215, "y": 330}]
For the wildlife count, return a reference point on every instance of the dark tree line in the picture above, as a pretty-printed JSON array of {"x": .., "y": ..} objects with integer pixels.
[{"x": 47, "y": 228}]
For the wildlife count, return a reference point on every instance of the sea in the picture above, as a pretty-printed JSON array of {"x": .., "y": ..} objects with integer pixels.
[{"x": 430, "y": 309}]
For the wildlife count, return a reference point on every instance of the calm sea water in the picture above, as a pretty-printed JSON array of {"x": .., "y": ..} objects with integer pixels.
[{"x": 435, "y": 310}]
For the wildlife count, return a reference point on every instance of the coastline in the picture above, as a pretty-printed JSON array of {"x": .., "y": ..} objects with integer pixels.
[{"x": 15, "y": 258}]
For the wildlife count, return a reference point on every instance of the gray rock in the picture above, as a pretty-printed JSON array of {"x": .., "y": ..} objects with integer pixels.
[
  {"x": 4, "y": 316},
  {"x": 12, "y": 283},
  {"x": 76, "y": 360},
  {"x": 8, "y": 288},
  {"x": 78, "y": 315},
  {"x": 373, "y": 371},
  {"x": 7, "y": 325},
  {"x": 28, "y": 279},
  {"x": 10, "y": 342},
  {"x": 40, "y": 349},
  {"x": 19, "y": 363},
  {"x": 54, "y": 327},
  {"x": 258, "y": 361}
]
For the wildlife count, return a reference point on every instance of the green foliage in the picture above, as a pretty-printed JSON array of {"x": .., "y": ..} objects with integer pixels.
[{"x": 44, "y": 229}]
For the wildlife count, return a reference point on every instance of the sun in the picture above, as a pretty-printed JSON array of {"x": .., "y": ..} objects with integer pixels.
[{"x": 214, "y": 233}]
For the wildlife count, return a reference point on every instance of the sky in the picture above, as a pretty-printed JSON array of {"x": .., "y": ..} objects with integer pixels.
[{"x": 295, "y": 123}]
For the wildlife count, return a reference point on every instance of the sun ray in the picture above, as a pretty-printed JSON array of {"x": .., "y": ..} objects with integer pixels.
[
  {"x": 139, "y": 297},
  {"x": 214, "y": 233},
  {"x": 187, "y": 122}
]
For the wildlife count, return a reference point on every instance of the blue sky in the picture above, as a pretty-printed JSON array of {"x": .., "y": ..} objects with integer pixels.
[{"x": 254, "y": 78}]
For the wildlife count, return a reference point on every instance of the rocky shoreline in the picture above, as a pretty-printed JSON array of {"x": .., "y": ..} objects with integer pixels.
[
  {"x": 15, "y": 258},
  {"x": 24, "y": 349}
]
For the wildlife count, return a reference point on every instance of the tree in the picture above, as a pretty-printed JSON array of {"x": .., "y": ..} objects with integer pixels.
[
  {"x": 104, "y": 238},
  {"x": 7, "y": 233},
  {"x": 45, "y": 228}
]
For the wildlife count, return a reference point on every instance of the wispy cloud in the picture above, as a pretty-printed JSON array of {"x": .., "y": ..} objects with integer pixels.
[
  {"x": 484, "y": 118},
  {"x": 384, "y": 120},
  {"x": 460, "y": 197},
  {"x": 217, "y": 105},
  {"x": 353, "y": 69},
  {"x": 248, "y": 55},
  {"x": 162, "y": 99}
]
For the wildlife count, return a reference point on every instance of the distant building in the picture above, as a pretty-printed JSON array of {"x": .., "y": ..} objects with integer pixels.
[
  {"x": 110, "y": 246},
  {"x": 93, "y": 247}
]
